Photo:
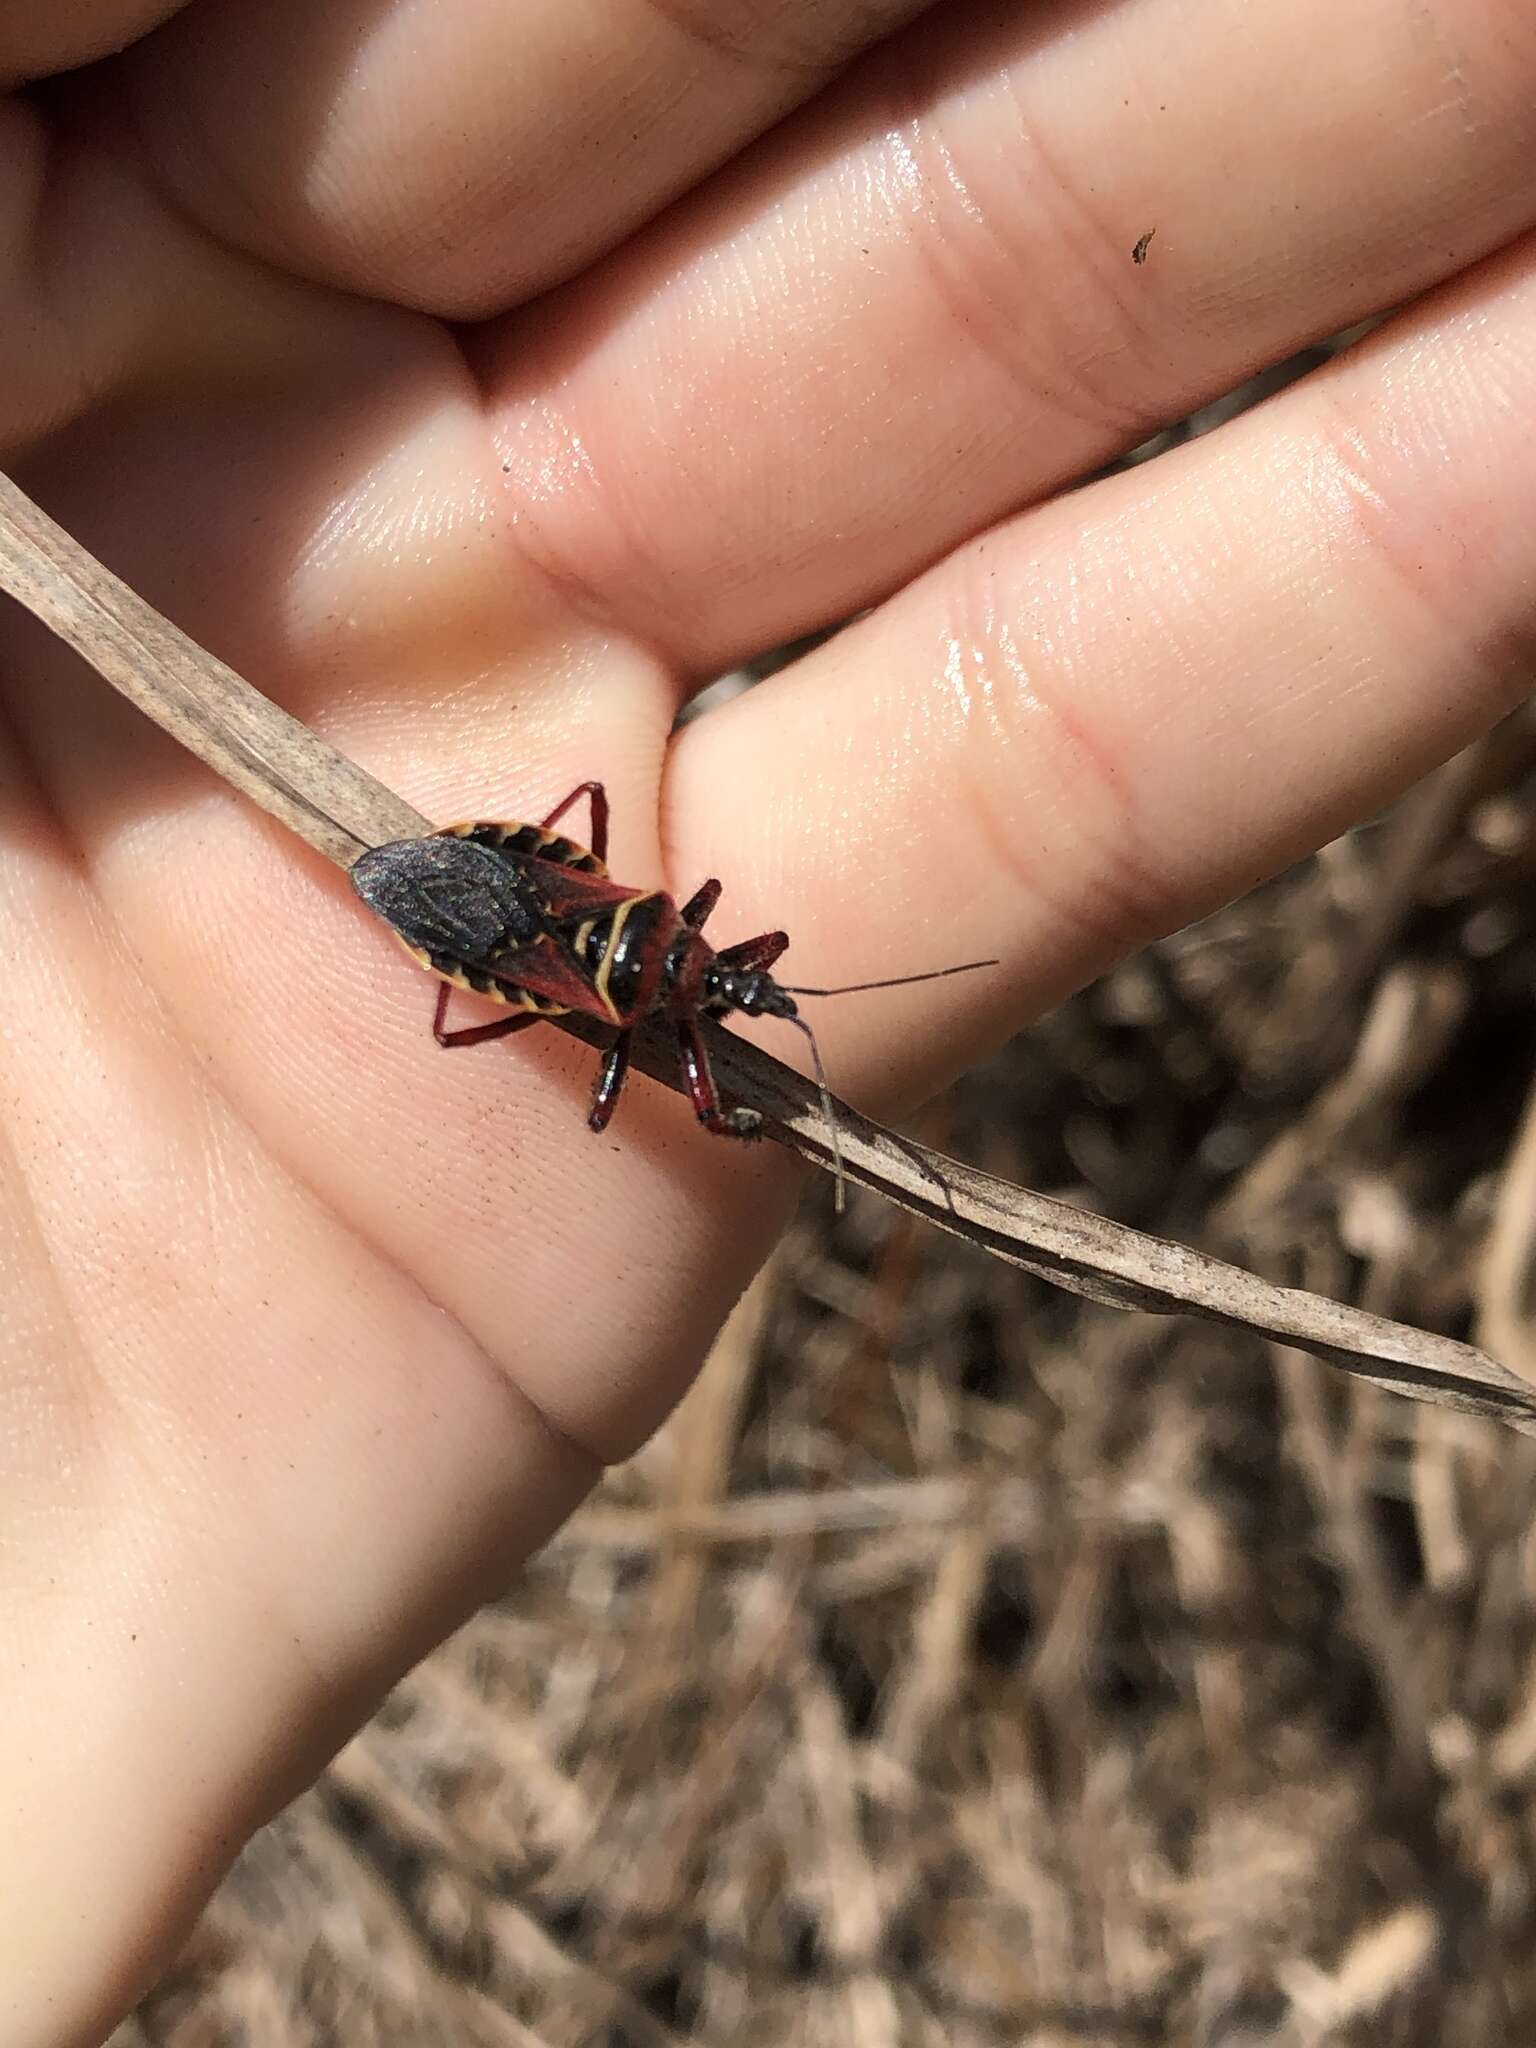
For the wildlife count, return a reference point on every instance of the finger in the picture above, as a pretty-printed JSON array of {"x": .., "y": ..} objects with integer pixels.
[
  {"x": 1122, "y": 709},
  {"x": 460, "y": 158},
  {"x": 914, "y": 308},
  {"x": 304, "y": 479},
  {"x": 36, "y": 41}
]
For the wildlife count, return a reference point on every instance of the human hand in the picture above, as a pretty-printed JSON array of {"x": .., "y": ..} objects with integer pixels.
[{"x": 313, "y": 1332}]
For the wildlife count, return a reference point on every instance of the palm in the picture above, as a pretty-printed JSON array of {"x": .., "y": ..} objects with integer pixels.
[{"x": 314, "y": 1329}]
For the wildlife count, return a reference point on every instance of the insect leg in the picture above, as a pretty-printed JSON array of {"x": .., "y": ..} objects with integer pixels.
[
  {"x": 705, "y": 1096},
  {"x": 610, "y": 1082},
  {"x": 477, "y": 1034},
  {"x": 598, "y": 831},
  {"x": 699, "y": 905},
  {"x": 749, "y": 953}
]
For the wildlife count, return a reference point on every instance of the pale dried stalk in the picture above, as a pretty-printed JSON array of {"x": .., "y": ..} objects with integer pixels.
[{"x": 329, "y": 801}]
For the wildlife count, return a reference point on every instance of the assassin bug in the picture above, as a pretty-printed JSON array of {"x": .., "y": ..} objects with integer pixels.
[{"x": 531, "y": 919}]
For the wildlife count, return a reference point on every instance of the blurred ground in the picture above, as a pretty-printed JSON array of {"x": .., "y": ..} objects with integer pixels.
[{"x": 969, "y": 1664}]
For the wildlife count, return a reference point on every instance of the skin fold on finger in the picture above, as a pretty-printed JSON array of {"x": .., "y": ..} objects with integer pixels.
[
  {"x": 262, "y": 1473},
  {"x": 913, "y": 308},
  {"x": 1119, "y": 710},
  {"x": 460, "y": 158}
]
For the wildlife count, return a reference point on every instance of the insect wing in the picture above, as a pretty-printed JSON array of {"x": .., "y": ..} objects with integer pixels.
[
  {"x": 567, "y": 880},
  {"x": 568, "y": 892},
  {"x": 441, "y": 896},
  {"x": 546, "y": 968}
]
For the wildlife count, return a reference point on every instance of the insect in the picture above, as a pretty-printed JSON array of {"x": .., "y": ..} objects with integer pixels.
[
  {"x": 1143, "y": 244},
  {"x": 533, "y": 920}
]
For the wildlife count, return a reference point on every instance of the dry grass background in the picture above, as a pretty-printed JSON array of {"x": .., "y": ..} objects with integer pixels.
[{"x": 970, "y": 1664}]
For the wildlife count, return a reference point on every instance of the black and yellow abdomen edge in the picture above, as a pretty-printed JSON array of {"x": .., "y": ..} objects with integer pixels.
[
  {"x": 478, "y": 983},
  {"x": 532, "y": 841}
]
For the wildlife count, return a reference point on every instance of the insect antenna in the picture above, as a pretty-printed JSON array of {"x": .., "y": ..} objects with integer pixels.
[
  {"x": 840, "y": 1178},
  {"x": 856, "y": 988}
]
